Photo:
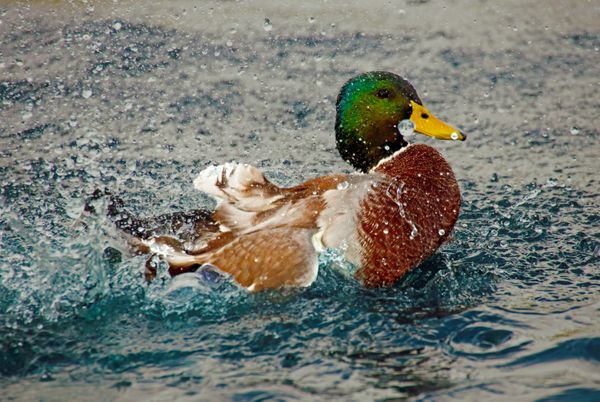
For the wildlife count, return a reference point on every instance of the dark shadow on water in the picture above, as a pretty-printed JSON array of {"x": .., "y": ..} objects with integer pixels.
[
  {"x": 581, "y": 349},
  {"x": 574, "y": 394},
  {"x": 420, "y": 276}
]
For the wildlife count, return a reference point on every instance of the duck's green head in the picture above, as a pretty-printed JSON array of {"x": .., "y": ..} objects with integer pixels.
[{"x": 369, "y": 108}]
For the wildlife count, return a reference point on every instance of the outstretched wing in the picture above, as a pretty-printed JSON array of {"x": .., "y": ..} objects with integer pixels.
[
  {"x": 242, "y": 193},
  {"x": 257, "y": 262}
]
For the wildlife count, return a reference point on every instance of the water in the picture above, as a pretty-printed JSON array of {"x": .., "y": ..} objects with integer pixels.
[
  {"x": 507, "y": 309},
  {"x": 406, "y": 128}
]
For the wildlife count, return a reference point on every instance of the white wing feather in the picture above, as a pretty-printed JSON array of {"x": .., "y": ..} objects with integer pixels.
[{"x": 241, "y": 191}]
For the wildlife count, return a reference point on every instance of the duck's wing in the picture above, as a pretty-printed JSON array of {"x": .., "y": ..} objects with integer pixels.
[
  {"x": 271, "y": 258},
  {"x": 239, "y": 184},
  {"x": 242, "y": 193},
  {"x": 337, "y": 221},
  {"x": 247, "y": 201}
]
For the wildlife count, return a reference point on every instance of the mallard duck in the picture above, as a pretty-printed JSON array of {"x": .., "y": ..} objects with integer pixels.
[{"x": 386, "y": 218}]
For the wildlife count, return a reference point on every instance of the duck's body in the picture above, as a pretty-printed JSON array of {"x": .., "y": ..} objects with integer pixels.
[{"x": 386, "y": 220}]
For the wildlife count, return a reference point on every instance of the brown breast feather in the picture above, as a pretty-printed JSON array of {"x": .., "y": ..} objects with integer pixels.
[{"x": 408, "y": 215}]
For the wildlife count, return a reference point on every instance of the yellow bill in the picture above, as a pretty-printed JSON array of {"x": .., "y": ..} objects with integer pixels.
[{"x": 428, "y": 124}]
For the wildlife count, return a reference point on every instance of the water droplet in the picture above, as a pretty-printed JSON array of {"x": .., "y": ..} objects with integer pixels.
[
  {"x": 454, "y": 136},
  {"x": 73, "y": 123},
  {"x": 386, "y": 147},
  {"x": 229, "y": 43},
  {"x": 574, "y": 130},
  {"x": 46, "y": 377},
  {"x": 312, "y": 20},
  {"x": 406, "y": 128},
  {"x": 117, "y": 26},
  {"x": 386, "y": 231},
  {"x": 413, "y": 232},
  {"x": 441, "y": 232},
  {"x": 343, "y": 185},
  {"x": 86, "y": 93},
  {"x": 267, "y": 26}
]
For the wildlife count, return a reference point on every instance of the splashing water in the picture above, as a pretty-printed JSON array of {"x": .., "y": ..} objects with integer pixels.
[
  {"x": 267, "y": 25},
  {"x": 343, "y": 185},
  {"x": 406, "y": 128},
  {"x": 397, "y": 198},
  {"x": 86, "y": 93}
]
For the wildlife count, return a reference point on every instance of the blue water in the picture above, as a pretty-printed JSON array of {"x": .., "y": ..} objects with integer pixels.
[
  {"x": 75, "y": 309},
  {"x": 508, "y": 308}
]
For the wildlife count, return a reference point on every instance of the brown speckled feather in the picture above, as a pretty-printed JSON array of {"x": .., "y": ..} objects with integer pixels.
[
  {"x": 268, "y": 244},
  {"x": 267, "y": 259},
  {"x": 408, "y": 215}
]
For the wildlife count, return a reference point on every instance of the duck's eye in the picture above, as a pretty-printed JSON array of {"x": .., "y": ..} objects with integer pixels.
[
  {"x": 424, "y": 115},
  {"x": 383, "y": 93}
]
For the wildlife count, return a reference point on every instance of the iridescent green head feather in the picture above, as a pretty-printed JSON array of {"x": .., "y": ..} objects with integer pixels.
[{"x": 369, "y": 108}]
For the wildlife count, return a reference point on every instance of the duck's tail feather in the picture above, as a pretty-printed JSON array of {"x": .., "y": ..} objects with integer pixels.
[{"x": 187, "y": 226}]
